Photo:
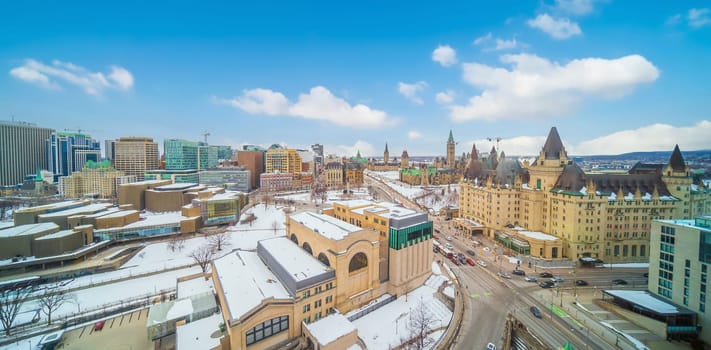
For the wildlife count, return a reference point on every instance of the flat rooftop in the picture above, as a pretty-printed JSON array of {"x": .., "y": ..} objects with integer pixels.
[
  {"x": 87, "y": 209},
  {"x": 195, "y": 286},
  {"x": 60, "y": 234},
  {"x": 330, "y": 328},
  {"x": 325, "y": 225},
  {"x": 29, "y": 229},
  {"x": 176, "y": 187},
  {"x": 353, "y": 203},
  {"x": 298, "y": 263},
  {"x": 118, "y": 214},
  {"x": 57, "y": 205},
  {"x": 201, "y": 334},
  {"x": 651, "y": 302},
  {"x": 168, "y": 218},
  {"x": 246, "y": 281},
  {"x": 537, "y": 235}
]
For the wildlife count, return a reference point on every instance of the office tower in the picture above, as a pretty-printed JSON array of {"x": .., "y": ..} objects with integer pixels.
[
  {"x": 109, "y": 149},
  {"x": 189, "y": 155},
  {"x": 254, "y": 162},
  {"x": 22, "y": 150},
  {"x": 283, "y": 160},
  {"x": 135, "y": 155},
  {"x": 67, "y": 152},
  {"x": 224, "y": 152}
]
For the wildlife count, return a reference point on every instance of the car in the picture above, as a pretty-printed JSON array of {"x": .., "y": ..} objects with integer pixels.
[
  {"x": 486, "y": 249},
  {"x": 546, "y": 284},
  {"x": 557, "y": 279},
  {"x": 504, "y": 275},
  {"x": 490, "y": 346},
  {"x": 98, "y": 326},
  {"x": 536, "y": 312},
  {"x": 545, "y": 274},
  {"x": 471, "y": 252},
  {"x": 448, "y": 246},
  {"x": 619, "y": 282},
  {"x": 455, "y": 261},
  {"x": 519, "y": 272},
  {"x": 449, "y": 238},
  {"x": 581, "y": 283},
  {"x": 481, "y": 263},
  {"x": 531, "y": 279},
  {"x": 470, "y": 262}
]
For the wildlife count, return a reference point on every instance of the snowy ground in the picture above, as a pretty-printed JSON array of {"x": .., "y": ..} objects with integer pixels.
[
  {"x": 377, "y": 331},
  {"x": 431, "y": 197},
  {"x": 157, "y": 257}
]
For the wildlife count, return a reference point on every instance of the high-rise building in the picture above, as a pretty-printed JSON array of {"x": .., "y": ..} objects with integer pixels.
[
  {"x": 599, "y": 215},
  {"x": 22, "y": 150},
  {"x": 317, "y": 150},
  {"x": 109, "y": 149},
  {"x": 99, "y": 180},
  {"x": 135, "y": 155},
  {"x": 254, "y": 162},
  {"x": 679, "y": 260},
  {"x": 189, "y": 155},
  {"x": 67, "y": 152},
  {"x": 224, "y": 152},
  {"x": 283, "y": 160}
]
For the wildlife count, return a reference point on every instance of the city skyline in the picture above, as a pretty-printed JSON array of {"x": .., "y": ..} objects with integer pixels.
[{"x": 353, "y": 77}]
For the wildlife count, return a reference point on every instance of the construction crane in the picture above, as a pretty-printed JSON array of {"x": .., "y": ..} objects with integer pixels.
[
  {"x": 497, "y": 139},
  {"x": 205, "y": 134}
]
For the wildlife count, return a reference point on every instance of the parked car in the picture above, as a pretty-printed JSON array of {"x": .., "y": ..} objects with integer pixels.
[
  {"x": 619, "y": 282},
  {"x": 470, "y": 262},
  {"x": 448, "y": 246},
  {"x": 481, "y": 263},
  {"x": 535, "y": 311},
  {"x": 557, "y": 279},
  {"x": 581, "y": 283},
  {"x": 519, "y": 272},
  {"x": 490, "y": 346},
  {"x": 471, "y": 252},
  {"x": 98, "y": 326},
  {"x": 545, "y": 274},
  {"x": 531, "y": 279},
  {"x": 455, "y": 261},
  {"x": 546, "y": 284}
]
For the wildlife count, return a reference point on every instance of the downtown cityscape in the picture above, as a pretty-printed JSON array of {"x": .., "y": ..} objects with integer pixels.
[{"x": 318, "y": 175}]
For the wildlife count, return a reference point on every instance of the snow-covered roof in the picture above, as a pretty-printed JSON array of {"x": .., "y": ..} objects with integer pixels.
[
  {"x": 103, "y": 213},
  {"x": 325, "y": 225},
  {"x": 246, "y": 281},
  {"x": 353, "y": 203},
  {"x": 59, "y": 234},
  {"x": 180, "y": 308},
  {"x": 537, "y": 235},
  {"x": 119, "y": 214},
  {"x": 295, "y": 268},
  {"x": 225, "y": 195},
  {"x": 29, "y": 229},
  {"x": 200, "y": 334},
  {"x": 195, "y": 286},
  {"x": 6, "y": 224},
  {"x": 330, "y": 328},
  {"x": 469, "y": 222},
  {"x": 176, "y": 186},
  {"x": 167, "y": 218},
  {"x": 648, "y": 301},
  {"x": 91, "y": 208},
  {"x": 687, "y": 223}
]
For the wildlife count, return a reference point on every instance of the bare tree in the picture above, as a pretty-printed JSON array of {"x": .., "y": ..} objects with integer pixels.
[
  {"x": 275, "y": 226},
  {"x": 52, "y": 298},
  {"x": 218, "y": 240},
  {"x": 177, "y": 241},
  {"x": 203, "y": 256},
  {"x": 12, "y": 296},
  {"x": 420, "y": 324}
]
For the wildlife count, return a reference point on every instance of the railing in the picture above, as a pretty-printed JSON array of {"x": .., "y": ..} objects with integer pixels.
[{"x": 371, "y": 308}]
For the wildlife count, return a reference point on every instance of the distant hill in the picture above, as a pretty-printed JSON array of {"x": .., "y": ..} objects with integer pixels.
[{"x": 652, "y": 157}]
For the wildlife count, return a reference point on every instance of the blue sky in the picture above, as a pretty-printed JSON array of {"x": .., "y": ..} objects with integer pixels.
[{"x": 613, "y": 76}]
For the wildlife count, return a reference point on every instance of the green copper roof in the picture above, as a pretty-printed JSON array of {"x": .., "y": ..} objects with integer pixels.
[{"x": 451, "y": 138}]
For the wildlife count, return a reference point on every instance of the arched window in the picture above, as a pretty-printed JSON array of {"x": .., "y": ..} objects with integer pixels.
[
  {"x": 307, "y": 248},
  {"x": 294, "y": 239},
  {"x": 324, "y": 259},
  {"x": 358, "y": 262}
]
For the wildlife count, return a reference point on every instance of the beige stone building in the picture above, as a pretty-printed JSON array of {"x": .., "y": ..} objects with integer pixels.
[
  {"x": 599, "y": 215},
  {"x": 97, "y": 180},
  {"x": 135, "y": 155},
  {"x": 283, "y": 160}
]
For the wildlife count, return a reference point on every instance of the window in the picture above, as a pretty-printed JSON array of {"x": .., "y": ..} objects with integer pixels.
[
  {"x": 306, "y": 308},
  {"x": 329, "y": 299},
  {"x": 317, "y": 303},
  {"x": 267, "y": 329},
  {"x": 359, "y": 261}
]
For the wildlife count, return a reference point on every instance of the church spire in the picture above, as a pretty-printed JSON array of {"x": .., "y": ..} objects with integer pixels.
[
  {"x": 676, "y": 161},
  {"x": 451, "y": 138},
  {"x": 553, "y": 148}
]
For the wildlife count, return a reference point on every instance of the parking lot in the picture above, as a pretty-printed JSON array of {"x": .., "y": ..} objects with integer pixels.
[{"x": 123, "y": 332}]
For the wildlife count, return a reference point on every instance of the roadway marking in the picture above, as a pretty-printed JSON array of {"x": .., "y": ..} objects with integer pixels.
[
  {"x": 474, "y": 296},
  {"x": 488, "y": 294}
]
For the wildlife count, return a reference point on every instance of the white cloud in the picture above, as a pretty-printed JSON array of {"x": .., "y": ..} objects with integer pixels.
[
  {"x": 699, "y": 17},
  {"x": 558, "y": 28},
  {"x": 318, "y": 104},
  {"x": 655, "y": 137},
  {"x": 414, "y": 135},
  {"x": 445, "y": 97},
  {"x": 445, "y": 55},
  {"x": 575, "y": 7},
  {"x": 535, "y": 87},
  {"x": 483, "y": 39},
  {"x": 674, "y": 20},
  {"x": 365, "y": 148},
  {"x": 499, "y": 44},
  {"x": 50, "y": 76},
  {"x": 411, "y": 91}
]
